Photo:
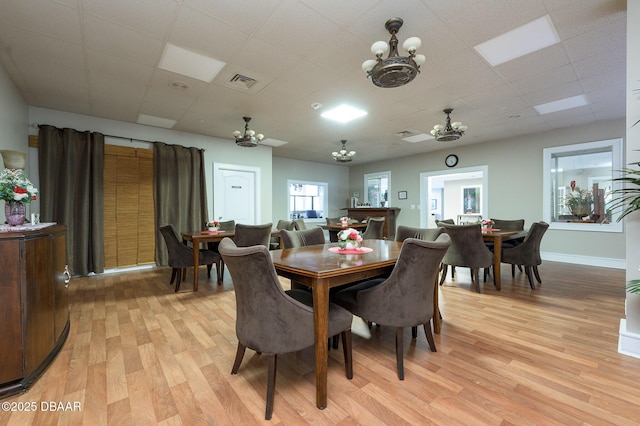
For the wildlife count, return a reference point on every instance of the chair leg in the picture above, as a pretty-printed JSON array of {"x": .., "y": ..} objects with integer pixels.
[
  {"x": 530, "y": 276},
  {"x": 414, "y": 332},
  {"x": 475, "y": 279},
  {"x": 513, "y": 270},
  {"x": 220, "y": 271},
  {"x": 429, "y": 334},
  {"x": 181, "y": 273},
  {"x": 535, "y": 272},
  {"x": 346, "y": 350},
  {"x": 445, "y": 267},
  {"x": 271, "y": 385},
  {"x": 453, "y": 272},
  {"x": 399, "y": 352},
  {"x": 184, "y": 273},
  {"x": 209, "y": 266},
  {"x": 174, "y": 272},
  {"x": 239, "y": 356},
  {"x": 335, "y": 342}
]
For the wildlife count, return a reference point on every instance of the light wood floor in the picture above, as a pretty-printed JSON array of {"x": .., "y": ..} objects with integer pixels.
[{"x": 140, "y": 354}]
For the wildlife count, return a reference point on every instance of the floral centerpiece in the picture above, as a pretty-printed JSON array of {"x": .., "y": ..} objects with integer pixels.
[
  {"x": 16, "y": 190},
  {"x": 213, "y": 226},
  {"x": 487, "y": 223},
  {"x": 579, "y": 201},
  {"x": 344, "y": 220},
  {"x": 349, "y": 239}
]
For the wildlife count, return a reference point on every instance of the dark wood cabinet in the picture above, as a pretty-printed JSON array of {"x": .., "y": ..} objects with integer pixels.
[
  {"x": 34, "y": 309},
  {"x": 389, "y": 213}
]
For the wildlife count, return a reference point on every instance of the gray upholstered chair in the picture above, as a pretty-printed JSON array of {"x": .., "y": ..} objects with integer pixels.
[
  {"x": 306, "y": 237},
  {"x": 271, "y": 321},
  {"x": 181, "y": 256},
  {"x": 467, "y": 250},
  {"x": 508, "y": 225},
  {"x": 227, "y": 226},
  {"x": 252, "y": 235},
  {"x": 405, "y": 299},
  {"x": 282, "y": 224},
  {"x": 299, "y": 224},
  {"x": 449, "y": 221},
  {"x": 527, "y": 254},
  {"x": 374, "y": 229},
  {"x": 424, "y": 234},
  {"x": 332, "y": 220}
]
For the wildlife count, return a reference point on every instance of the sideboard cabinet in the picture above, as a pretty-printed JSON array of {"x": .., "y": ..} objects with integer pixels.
[{"x": 34, "y": 307}]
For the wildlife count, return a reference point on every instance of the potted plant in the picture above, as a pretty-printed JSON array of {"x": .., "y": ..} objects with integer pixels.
[
  {"x": 627, "y": 199},
  {"x": 579, "y": 201}
]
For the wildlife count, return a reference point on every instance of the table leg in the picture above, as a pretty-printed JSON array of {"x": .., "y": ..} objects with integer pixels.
[
  {"x": 196, "y": 261},
  {"x": 497, "y": 253},
  {"x": 321, "y": 331}
]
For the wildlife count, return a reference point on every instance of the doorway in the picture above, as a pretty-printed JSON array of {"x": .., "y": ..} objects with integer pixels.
[
  {"x": 445, "y": 194},
  {"x": 234, "y": 193}
]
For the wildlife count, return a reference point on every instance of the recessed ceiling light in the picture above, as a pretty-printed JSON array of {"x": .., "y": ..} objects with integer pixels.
[
  {"x": 562, "y": 104},
  {"x": 179, "y": 85},
  {"x": 150, "y": 120},
  {"x": 316, "y": 105},
  {"x": 521, "y": 41},
  {"x": 344, "y": 114},
  {"x": 418, "y": 138},
  {"x": 185, "y": 62}
]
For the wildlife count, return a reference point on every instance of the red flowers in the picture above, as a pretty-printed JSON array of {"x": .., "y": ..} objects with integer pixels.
[{"x": 573, "y": 185}]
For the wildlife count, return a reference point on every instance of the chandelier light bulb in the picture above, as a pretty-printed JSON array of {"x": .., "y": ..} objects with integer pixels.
[
  {"x": 259, "y": 136},
  {"x": 420, "y": 59},
  {"x": 456, "y": 124},
  {"x": 438, "y": 127},
  {"x": 379, "y": 48},
  {"x": 237, "y": 133},
  {"x": 412, "y": 44},
  {"x": 368, "y": 65}
]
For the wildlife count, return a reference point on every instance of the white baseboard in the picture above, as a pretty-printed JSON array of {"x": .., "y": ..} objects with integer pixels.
[
  {"x": 603, "y": 262},
  {"x": 628, "y": 343}
]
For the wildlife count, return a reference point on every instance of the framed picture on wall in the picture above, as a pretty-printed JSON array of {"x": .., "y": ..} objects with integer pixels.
[{"x": 402, "y": 195}]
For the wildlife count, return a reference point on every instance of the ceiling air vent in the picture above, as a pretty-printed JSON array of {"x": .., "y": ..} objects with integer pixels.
[{"x": 242, "y": 81}]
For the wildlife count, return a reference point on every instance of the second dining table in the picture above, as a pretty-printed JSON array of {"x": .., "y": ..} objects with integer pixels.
[
  {"x": 321, "y": 269},
  {"x": 497, "y": 237}
]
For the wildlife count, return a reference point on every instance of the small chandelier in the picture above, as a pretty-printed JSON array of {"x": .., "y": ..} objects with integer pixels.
[
  {"x": 396, "y": 70},
  {"x": 450, "y": 131},
  {"x": 249, "y": 138},
  {"x": 343, "y": 156}
]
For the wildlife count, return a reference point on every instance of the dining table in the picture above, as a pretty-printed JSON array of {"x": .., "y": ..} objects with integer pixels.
[
  {"x": 198, "y": 237},
  {"x": 321, "y": 269},
  {"x": 497, "y": 236}
]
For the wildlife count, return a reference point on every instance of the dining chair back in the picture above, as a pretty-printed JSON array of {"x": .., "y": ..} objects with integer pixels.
[
  {"x": 374, "y": 229},
  {"x": 227, "y": 226},
  {"x": 271, "y": 321},
  {"x": 527, "y": 253},
  {"x": 424, "y": 234},
  {"x": 252, "y": 235},
  {"x": 306, "y": 237},
  {"x": 181, "y": 256},
  {"x": 274, "y": 243},
  {"x": 467, "y": 250},
  {"x": 405, "y": 298},
  {"x": 332, "y": 220},
  {"x": 299, "y": 224},
  {"x": 449, "y": 221}
]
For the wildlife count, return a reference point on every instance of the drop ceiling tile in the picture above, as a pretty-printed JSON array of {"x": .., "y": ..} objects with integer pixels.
[
  {"x": 237, "y": 13},
  {"x": 46, "y": 18},
  {"x": 152, "y": 17},
  {"x": 118, "y": 69}
]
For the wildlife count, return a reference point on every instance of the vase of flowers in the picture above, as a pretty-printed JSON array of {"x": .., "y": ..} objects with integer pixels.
[
  {"x": 213, "y": 226},
  {"x": 349, "y": 239},
  {"x": 487, "y": 224},
  {"x": 579, "y": 201},
  {"x": 344, "y": 221},
  {"x": 16, "y": 190}
]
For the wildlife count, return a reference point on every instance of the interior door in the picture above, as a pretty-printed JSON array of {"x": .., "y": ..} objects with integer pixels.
[{"x": 235, "y": 195}]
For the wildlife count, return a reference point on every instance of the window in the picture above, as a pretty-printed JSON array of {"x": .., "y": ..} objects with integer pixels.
[
  {"x": 308, "y": 200},
  {"x": 578, "y": 184},
  {"x": 377, "y": 187}
]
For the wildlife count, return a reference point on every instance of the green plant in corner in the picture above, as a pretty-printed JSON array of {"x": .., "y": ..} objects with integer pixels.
[
  {"x": 633, "y": 286},
  {"x": 627, "y": 198}
]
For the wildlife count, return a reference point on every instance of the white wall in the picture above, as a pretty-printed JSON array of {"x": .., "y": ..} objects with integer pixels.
[
  {"x": 515, "y": 185},
  {"x": 216, "y": 149},
  {"x": 13, "y": 117},
  {"x": 336, "y": 176}
]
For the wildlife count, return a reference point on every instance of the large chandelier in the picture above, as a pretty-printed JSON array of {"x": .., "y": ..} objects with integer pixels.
[
  {"x": 395, "y": 70},
  {"x": 450, "y": 131},
  {"x": 343, "y": 156},
  {"x": 249, "y": 138}
]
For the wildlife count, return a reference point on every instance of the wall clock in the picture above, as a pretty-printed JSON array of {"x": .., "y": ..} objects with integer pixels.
[{"x": 451, "y": 160}]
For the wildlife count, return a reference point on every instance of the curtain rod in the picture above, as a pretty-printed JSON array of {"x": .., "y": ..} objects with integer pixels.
[{"x": 127, "y": 139}]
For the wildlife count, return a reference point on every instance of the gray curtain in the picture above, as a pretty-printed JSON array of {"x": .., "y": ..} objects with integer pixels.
[
  {"x": 71, "y": 168},
  {"x": 180, "y": 191}
]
